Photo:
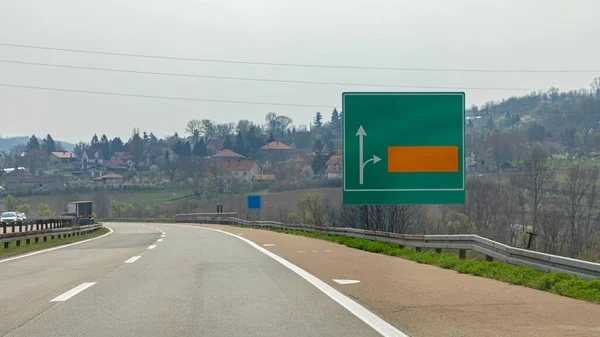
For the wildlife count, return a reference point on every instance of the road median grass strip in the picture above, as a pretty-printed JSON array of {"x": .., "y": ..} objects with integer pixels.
[
  {"x": 14, "y": 250},
  {"x": 558, "y": 283}
]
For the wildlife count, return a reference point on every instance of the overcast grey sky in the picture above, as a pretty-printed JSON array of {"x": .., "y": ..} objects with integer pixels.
[{"x": 467, "y": 34}]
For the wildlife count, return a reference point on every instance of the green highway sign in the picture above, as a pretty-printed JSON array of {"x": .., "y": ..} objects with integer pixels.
[{"x": 403, "y": 148}]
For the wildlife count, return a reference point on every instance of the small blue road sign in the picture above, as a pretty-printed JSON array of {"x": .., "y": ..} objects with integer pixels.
[{"x": 254, "y": 202}]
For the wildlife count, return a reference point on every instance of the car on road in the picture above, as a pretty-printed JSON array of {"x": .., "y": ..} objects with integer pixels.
[{"x": 9, "y": 217}]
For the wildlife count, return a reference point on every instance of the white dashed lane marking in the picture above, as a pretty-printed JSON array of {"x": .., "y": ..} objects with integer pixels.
[
  {"x": 73, "y": 292},
  {"x": 133, "y": 259}
]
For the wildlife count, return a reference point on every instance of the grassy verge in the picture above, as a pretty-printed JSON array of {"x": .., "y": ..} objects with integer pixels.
[
  {"x": 559, "y": 283},
  {"x": 13, "y": 250}
]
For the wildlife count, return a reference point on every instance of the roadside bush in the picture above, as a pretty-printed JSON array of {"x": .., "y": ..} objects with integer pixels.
[{"x": 24, "y": 208}]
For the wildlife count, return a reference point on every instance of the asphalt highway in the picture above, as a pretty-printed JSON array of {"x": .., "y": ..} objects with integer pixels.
[{"x": 168, "y": 280}]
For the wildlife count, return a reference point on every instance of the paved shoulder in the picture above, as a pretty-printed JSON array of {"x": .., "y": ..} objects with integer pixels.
[{"x": 426, "y": 300}]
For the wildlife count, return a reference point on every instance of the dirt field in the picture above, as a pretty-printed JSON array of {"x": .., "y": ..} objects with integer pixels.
[{"x": 275, "y": 206}]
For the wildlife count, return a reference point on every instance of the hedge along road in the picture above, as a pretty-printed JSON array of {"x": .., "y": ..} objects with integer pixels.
[
  {"x": 194, "y": 282},
  {"x": 426, "y": 300}
]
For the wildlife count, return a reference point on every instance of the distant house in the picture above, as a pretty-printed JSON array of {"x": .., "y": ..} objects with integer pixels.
[
  {"x": 116, "y": 166},
  {"x": 276, "y": 152},
  {"x": 227, "y": 155},
  {"x": 214, "y": 145},
  {"x": 96, "y": 170},
  {"x": 238, "y": 170},
  {"x": 299, "y": 162},
  {"x": 127, "y": 157},
  {"x": 334, "y": 172},
  {"x": 91, "y": 157},
  {"x": 22, "y": 179},
  {"x": 109, "y": 179},
  {"x": 156, "y": 154},
  {"x": 264, "y": 177},
  {"x": 334, "y": 161},
  {"x": 62, "y": 159}
]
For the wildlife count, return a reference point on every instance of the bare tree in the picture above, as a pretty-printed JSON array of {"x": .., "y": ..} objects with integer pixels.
[
  {"x": 195, "y": 171},
  {"x": 574, "y": 203},
  {"x": 313, "y": 208},
  {"x": 552, "y": 231},
  {"x": 595, "y": 87},
  {"x": 193, "y": 128},
  {"x": 101, "y": 204},
  {"x": 483, "y": 205},
  {"x": 540, "y": 177},
  {"x": 591, "y": 219},
  {"x": 520, "y": 146},
  {"x": 390, "y": 218},
  {"x": 170, "y": 165},
  {"x": 517, "y": 209}
]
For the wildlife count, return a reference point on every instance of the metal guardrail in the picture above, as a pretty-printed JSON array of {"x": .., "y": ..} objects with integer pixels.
[
  {"x": 44, "y": 234},
  {"x": 492, "y": 249},
  {"x": 37, "y": 224}
]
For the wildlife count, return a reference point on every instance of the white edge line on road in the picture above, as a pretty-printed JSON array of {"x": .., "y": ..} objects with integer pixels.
[
  {"x": 151, "y": 246},
  {"x": 159, "y": 240},
  {"x": 133, "y": 259},
  {"x": 57, "y": 247},
  {"x": 72, "y": 292},
  {"x": 364, "y": 314}
]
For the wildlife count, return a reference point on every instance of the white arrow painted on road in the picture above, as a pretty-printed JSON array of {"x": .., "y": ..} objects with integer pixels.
[
  {"x": 361, "y": 133},
  {"x": 346, "y": 281}
]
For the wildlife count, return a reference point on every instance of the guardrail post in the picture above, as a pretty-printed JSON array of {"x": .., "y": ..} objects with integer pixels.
[
  {"x": 489, "y": 258},
  {"x": 462, "y": 254}
]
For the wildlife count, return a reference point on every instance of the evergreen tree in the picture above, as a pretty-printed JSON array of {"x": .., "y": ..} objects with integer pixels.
[
  {"x": 49, "y": 145},
  {"x": 240, "y": 146},
  {"x": 105, "y": 147},
  {"x": 200, "y": 149},
  {"x": 95, "y": 142},
  {"x": 321, "y": 156},
  {"x": 33, "y": 143},
  {"x": 227, "y": 144},
  {"x": 116, "y": 145},
  {"x": 318, "y": 121},
  {"x": 335, "y": 119}
]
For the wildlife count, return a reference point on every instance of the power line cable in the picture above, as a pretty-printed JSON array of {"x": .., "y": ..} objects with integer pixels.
[
  {"x": 164, "y": 97},
  {"x": 265, "y": 79},
  {"x": 303, "y": 65}
]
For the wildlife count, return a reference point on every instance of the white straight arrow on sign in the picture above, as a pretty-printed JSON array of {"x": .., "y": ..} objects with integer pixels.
[{"x": 361, "y": 133}]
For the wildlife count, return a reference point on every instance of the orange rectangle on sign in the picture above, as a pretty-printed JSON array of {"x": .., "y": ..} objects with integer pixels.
[{"x": 422, "y": 158}]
